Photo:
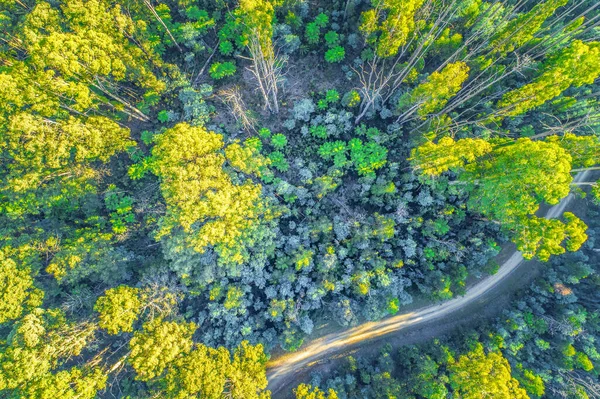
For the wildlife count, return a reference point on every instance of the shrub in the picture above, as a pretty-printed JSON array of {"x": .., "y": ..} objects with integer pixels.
[
  {"x": 351, "y": 99},
  {"x": 322, "y": 20},
  {"x": 319, "y": 131},
  {"x": 332, "y": 96},
  {"x": 291, "y": 43},
  {"x": 367, "y": 157},
  {"x": 221, "y": 70},
  {"x": 312, "y": 33},
  {"x": 278, "y": 161},
  {"x": 332, "y": 39},
  {"x": 279, "y": 141},
  {"x": 195, "y": 109},
  {"x": 226, "y": 47},
  {"x": 303, "y": 109},
  {"x": 264, "y": 133},
  {"x": 335, "y": 54},
  {"x": 163, "y": 116},
  {"x": 293, "y": 20}
]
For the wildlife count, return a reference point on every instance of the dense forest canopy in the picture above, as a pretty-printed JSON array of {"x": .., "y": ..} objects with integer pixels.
[{"x": 187, "y": 186}]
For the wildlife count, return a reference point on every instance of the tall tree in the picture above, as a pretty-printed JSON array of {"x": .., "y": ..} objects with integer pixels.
[
  {"x": 575, "y": 65},
  {"x": 256, "y": 18},
  {"x": 477, "y": 374},
  {"x": 17, "y": 291},
  {"x": 215, "y": 211},
  {"x": 86, "y": 44},
  {"x": 508, "y": 179},
  {"x": 160, "y": 343}
]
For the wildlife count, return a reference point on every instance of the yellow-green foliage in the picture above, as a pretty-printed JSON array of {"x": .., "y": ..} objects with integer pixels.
[
  {"x": 575, "y": 65},
  {"x": 43, "y": 155},
  {"x": 544, "y": 237},
  {"x": 434, "y": 159},
  {"x": 119, "y": 308},
  {"x": 508, "y": 180},
  {"x": 439, "y": 87},
  {"x": 256, "y": 17},
  {"x": 201, "y": 197},
  {"x": 306, "y": 391},
  {"x": 389, "y": 23},
  {"x": 17, "y": 292},
  {"x": 523, "y": 28},
  {"x": 211, "y": 373},
  {"x": 478, "y": 372},
  {"x": 82, "y": 40},
  {"x": 157, "y": 345}
]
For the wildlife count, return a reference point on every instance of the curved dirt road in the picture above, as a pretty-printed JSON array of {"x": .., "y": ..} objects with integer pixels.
[{"x": 280, "y": 369}]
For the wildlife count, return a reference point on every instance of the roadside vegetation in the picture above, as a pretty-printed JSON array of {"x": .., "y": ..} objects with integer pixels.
[{"x": 188, "y": 185}]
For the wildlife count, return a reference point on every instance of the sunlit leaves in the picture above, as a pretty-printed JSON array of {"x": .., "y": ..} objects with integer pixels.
[
  {"x": 575, "y": 65},
  {"x": 478, "y": 372},
  {"x": 389, "y": 23},
  {"x": 17, "y": 292},
  {"x": 157, "y": 345},
  {"x": 306, "y": 391},
  {"x": 436, "y": 158},
  {"x": 201, "y": 196},
  {"x": 431, "y": 95},
  {"x": 119, "y": 308},
  {"x": 508, "y": 180}
]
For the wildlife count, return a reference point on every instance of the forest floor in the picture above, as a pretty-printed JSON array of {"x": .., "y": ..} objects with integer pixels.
[{"x": 481, "y": 301}]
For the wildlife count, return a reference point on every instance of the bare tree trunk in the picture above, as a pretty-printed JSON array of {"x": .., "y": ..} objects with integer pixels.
[
  {"x": 267, "y": 69},
  {"x": 382, "y": 79},
  {"x": 233, "y": 98},
  {"x": 147, "y": 2}
]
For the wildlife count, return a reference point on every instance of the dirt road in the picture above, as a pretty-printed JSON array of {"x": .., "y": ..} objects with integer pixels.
[{"x": 281, "y": 370}]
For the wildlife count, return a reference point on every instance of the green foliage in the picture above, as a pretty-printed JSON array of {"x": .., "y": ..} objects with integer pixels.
[
  {"x": 233, "y": 298},
  {"x": 222, "y": 70},
  {"x": 120, "y": 206},
  {"x": 43, "y": 159},
  {"x": 575, "y": 65},
  {"x": 312, "y": 33},
  {"x": 319, "y": 131},
  {"x": 351, "y": 99},
  {"x": 388, "y": 24},
  {"x": 478, "y": 372},
  {"x": 95, "y": 165},
  {"x": 332, "y": 96},
  {"x": 435, "y": 158},
  {"x": 313, "y": 29},
  {"x": 119, "y": 308},
  {"x": 513, "y": 36},
  {"x": 367, "y": 157},
  {"x": 321, "y": 20},
  {"x": 212, "y": 373},
  {"x": 17, "y": 291},
  {"x": 264, "y": 133},
  {"x": 278, "y": 161},
  {"x": 332, "y": 39},
  {"x": 508, "y": 180},
  {"x": 279, "y": 141},
  {"x": 334, "y": 150},
  {"x": 439, "y": 87},
  {"x": 305, "y": 391},
  {"x": 293, "y": 20},
  {"x": 163, "y": 116},
  {"x": 335, "y": 54},
  {"x": 191, "y": 159},
  {"x": 225, "y": 47},
  {"x": 157, "y": 345}
]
